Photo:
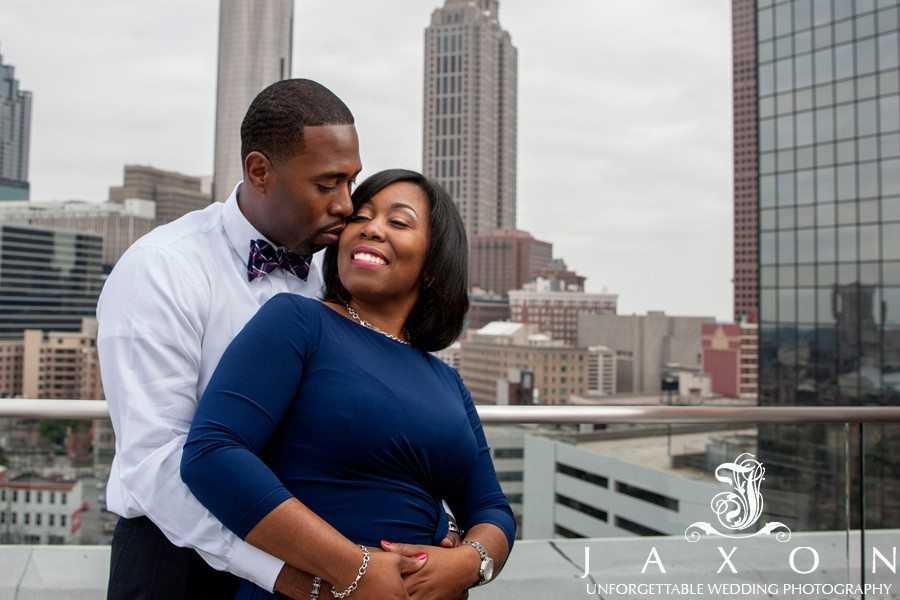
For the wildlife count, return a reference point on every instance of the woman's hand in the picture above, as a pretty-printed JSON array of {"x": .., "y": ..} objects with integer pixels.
[
  {"x": 384, "y": 578},
  {"x": 447, "y": 575}
]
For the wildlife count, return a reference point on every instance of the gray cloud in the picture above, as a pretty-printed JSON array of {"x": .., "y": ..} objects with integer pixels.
[{"x": 624, "y": 116}]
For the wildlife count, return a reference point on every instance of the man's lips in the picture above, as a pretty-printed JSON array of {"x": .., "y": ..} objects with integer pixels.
[{"x": 334, "y": 232}]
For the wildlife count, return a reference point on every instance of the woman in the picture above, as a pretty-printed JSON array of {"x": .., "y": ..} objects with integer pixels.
[{"x": 328, "y": 425}]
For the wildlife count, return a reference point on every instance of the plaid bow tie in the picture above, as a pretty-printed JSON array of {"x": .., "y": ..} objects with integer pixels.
[{"x": 265, "y": 258}]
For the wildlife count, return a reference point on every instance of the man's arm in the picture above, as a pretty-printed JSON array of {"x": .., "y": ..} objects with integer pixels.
[{"x": 150, "y": 330}]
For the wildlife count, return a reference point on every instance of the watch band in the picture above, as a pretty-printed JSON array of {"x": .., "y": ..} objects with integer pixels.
[{"x": 486, "y": 568}]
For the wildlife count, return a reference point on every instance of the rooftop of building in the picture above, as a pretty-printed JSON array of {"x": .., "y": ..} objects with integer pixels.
[{"x": 655, "y": 448}]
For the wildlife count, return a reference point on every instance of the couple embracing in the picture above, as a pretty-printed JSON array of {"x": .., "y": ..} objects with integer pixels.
[{"x": 281, "y": 428}]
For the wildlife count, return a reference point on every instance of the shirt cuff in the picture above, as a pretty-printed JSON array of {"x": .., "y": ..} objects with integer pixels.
[{"x": 250, "y": 563}]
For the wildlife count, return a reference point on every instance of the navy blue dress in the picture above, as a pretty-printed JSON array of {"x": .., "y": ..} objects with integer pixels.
[{"x": 369, "y": 433}]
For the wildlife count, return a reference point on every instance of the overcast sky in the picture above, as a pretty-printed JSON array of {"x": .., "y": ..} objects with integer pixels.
[{"x": 624, "y": 116}]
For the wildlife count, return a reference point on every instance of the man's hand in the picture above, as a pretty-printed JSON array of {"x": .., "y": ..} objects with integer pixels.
[
  {"x": 447, "y": 576},
  {"x": 451, "y": 540},
  {"x": 294, "y": 583}
]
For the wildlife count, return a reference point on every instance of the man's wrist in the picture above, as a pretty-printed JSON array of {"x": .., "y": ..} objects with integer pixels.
[{"x": 293, "y": 583}]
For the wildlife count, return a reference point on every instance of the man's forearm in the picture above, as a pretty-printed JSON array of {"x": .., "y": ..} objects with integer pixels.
[{"x": 294, "y": 583}]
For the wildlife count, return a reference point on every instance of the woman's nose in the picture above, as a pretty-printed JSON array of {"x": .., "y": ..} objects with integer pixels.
[{"x": 371, "y": 231}]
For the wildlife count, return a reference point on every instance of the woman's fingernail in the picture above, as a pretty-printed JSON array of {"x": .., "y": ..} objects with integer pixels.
[
  {"x": 421, "y": 556},
  {"x": 387, "y": 543}
]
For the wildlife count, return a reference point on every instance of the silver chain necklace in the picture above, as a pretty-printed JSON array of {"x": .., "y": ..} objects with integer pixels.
[{"x": 368, "y": 325}]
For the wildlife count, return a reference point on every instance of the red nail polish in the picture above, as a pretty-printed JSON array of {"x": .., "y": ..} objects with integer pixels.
[
  {"x": 421, "y": 556},
  {"x": 387, "y": 543}
]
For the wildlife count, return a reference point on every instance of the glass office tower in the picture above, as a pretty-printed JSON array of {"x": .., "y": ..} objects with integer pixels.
[
  {"x": 829, "y": 249},
  {"x": 49, "y": 279}
]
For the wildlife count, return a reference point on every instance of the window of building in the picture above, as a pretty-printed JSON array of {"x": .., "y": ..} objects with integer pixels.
[
  {"x": 509, "y": 452},
  {"x": 566, "y": 533},
  {"x": 646, "y": 495},
  {"x": 636, "y": 528},
  {"x": 62, "y": 520},
  {"x": 582, "y": 507},
  {"x": 582, "y": 475}
]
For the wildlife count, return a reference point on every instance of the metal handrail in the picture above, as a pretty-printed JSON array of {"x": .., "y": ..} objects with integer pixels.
[{"x": 97, "y": 409}]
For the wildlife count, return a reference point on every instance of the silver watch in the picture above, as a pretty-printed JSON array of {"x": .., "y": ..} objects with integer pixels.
[{"x": 486, "y": 569}]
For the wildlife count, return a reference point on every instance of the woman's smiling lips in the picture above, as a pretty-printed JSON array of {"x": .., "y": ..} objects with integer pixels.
[{"x": 367, "y": 257}]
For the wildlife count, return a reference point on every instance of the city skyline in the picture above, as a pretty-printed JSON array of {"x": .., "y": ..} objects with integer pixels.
[{"x": 632, "y": 152}]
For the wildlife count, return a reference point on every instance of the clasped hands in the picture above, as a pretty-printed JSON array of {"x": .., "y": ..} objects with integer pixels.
[{"x": 402, "y": 572}]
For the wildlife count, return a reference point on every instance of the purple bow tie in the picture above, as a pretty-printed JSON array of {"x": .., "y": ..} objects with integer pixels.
[{"x": 265, "y": 258}]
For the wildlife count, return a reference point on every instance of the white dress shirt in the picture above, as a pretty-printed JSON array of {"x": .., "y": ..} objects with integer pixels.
[{"x": 172, "y": 304}]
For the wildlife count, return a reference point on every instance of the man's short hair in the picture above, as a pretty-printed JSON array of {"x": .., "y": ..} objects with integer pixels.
[{"x": 275, "y": 120}]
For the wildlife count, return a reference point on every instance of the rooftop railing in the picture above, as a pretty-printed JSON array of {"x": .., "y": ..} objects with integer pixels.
[
  {"x": 25, "y": 408},
  {"x": 847, "y": 553}
]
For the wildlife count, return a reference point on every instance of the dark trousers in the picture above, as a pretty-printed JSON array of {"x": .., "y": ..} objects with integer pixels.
[{"x": 144, "y": 565}]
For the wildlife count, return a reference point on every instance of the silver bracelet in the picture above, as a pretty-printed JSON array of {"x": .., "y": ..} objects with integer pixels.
[
  {"x": 316, "y": 586},
  {"x": 359, "y": 575}
]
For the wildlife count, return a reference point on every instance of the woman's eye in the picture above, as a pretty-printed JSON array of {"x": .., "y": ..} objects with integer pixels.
[
  {"x": 399, "y": 223},
  {"x": 355, "y": 218}
]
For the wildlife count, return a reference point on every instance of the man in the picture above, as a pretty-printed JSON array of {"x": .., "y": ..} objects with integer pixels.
[{"x": 170, "y": 307}]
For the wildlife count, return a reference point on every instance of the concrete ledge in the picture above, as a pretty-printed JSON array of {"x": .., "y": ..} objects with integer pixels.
[
  {"x": 545, "y": 569},
  {"x": 44, "y": 572}
]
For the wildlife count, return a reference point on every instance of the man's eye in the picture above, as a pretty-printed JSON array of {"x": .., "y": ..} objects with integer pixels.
[{"x": 326, "y": 188}]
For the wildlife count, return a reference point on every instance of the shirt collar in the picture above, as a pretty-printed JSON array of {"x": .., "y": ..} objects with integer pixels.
[{"x": 239, "y": 230}]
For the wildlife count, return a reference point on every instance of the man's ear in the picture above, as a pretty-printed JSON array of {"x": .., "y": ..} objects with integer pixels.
[{"x": 258, "y": 171}]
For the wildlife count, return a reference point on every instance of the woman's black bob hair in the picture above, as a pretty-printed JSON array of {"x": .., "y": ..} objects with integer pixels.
[{"x": 439, "y": 314}]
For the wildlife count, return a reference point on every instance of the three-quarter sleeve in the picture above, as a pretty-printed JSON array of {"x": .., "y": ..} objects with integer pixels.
[
  {"x": 478, "y": 498},
  {"x": 252, "y": 388}
]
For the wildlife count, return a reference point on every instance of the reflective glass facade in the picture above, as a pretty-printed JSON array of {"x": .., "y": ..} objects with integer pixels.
[
  {"x": 49, "y": 279},
  {"x": 829, "y": 244}
]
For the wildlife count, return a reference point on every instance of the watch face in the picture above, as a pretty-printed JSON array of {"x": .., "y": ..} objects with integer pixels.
[{"x": 487, "y": 570}]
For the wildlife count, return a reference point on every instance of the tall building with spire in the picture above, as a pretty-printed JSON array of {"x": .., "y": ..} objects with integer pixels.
[
  {"x": 15, "y": 135},
  {"x": 255, "y": 40},
  {"x": 470, "y": 106}
]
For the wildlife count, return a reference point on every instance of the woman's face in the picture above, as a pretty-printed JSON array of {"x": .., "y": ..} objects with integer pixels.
[{"x": 382, "y": 249}]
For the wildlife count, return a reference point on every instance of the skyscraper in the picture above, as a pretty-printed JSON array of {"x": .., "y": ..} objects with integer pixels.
[
  {"x": 15, "y": 135},
  {"x": 255, "y": 40},
  {"x": 470, "y": 97},
  {"x": 828, "y": 123},
  {"x": 49, "y": 279},
  {"x": 746, "y": 212}
]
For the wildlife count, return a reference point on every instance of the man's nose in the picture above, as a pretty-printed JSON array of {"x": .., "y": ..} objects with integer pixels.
[{"x": 342, "y": 206}]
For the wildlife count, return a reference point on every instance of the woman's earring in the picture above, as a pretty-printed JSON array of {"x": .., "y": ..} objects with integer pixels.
[{"x": 429, "y": 281}]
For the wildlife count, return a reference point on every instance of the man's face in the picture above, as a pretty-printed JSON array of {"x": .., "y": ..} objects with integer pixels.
[{"x": 309, "y": 197}]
